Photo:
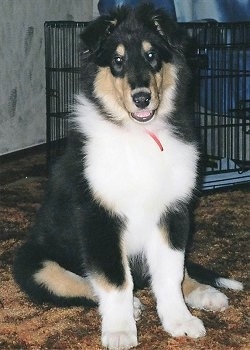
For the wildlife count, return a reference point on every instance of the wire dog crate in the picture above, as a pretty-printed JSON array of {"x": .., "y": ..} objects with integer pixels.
[{"x": 222, "y": 103}]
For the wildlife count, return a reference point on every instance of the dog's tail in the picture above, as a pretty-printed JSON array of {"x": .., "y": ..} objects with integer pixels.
[{"x": 206, "y": 276}]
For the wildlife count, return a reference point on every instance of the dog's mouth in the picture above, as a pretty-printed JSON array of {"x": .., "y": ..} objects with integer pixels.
[{"x": 143, "y": 116}]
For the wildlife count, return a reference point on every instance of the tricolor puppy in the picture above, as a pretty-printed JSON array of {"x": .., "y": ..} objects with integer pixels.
[{"x": 116, "y": 214}]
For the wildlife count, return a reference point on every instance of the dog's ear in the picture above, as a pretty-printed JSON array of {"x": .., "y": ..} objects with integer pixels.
[
  {"x": 101, "y": 28},
  {"x": 96, "y": 32},
  {"x": 172, "y": 34}
]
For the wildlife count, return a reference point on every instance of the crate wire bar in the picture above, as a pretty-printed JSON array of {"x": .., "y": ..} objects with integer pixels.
[
  {"x": 222, "y": 101},
  {"x": 62, "y": 62}
]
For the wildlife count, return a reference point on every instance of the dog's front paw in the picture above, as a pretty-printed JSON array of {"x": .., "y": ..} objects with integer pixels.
[
  {"x": 207, "y": 298},
  {"x": 119, "y": 340},
  {"x": 192, "y": 327}
]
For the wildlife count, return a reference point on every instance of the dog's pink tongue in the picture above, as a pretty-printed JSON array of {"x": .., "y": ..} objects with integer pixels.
[{"x": 143, "y": 114}]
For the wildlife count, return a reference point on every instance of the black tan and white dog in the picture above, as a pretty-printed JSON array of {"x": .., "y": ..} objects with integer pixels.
[{"x": 116, "y": 213}]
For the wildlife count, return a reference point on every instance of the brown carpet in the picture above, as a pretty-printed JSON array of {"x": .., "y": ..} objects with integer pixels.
[{"x": 221, "y": 243}]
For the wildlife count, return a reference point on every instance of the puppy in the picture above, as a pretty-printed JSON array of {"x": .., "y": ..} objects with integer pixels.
[{"x": 116, "y": 213}]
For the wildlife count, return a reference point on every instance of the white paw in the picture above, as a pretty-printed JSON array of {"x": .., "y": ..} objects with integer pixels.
[
  {"x": 138, "y": 308},
  {"x": 119, "y": 340},
  {"x": 192, "y": 327},
  {"x": 207, "y": 298}
]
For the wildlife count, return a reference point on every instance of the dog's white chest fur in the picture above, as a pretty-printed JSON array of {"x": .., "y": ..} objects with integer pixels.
[{"x": 129, "y": 174}]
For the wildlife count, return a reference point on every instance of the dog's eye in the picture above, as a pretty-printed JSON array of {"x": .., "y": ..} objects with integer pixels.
[
  {"x": 118, "y": 61},
  {"x": 151, "y": 56}
]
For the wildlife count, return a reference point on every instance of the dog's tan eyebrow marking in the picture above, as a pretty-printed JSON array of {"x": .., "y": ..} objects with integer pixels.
[
  {"x": 120, "y": 50},
  {"x": 146, "y": 46}
]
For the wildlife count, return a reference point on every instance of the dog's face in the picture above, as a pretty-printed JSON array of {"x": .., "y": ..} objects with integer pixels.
[{"x": 135, "y": 53}]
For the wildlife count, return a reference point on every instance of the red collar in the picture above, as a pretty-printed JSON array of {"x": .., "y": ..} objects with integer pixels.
[{"x": 155, "y": 138}]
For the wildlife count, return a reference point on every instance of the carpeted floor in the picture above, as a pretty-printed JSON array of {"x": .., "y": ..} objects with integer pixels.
[{"x": 221, "y": 242}]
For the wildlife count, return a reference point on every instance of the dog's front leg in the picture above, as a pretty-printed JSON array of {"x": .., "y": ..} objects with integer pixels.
[
  {"x": 116, "y": 310},
  {"x": 166, "y": 266}
]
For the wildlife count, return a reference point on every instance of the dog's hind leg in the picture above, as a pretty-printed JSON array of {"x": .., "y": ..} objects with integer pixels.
[
  {"x": 63, "y": 283},
  {"x": 203, "y": 296},
  {"x": 47, "y": 281}
]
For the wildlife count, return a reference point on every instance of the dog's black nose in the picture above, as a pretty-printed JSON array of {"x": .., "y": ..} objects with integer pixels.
[{"x": 141, "y": 99}]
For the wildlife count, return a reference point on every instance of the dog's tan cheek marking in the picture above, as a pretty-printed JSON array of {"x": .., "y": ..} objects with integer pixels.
[
  {"x": 63, "y": 283},
  {"x": 167, "y": 81},
  {"x": 109, "y": 90},
  {"x": 168, "y": 75},
  {"x": 102, "y": 83},
  {"x": 115, "y": 93},
  {"x": 118, "y": 85}
]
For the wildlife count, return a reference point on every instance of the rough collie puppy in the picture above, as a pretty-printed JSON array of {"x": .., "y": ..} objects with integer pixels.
[{"x": 116, "y": 214}]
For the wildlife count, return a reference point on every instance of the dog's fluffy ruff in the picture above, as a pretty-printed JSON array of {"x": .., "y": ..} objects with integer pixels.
[{"x": 132, "y": 165}]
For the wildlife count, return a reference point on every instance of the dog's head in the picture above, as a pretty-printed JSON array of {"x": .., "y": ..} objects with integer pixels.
[{"x": 135, "y": 54}]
